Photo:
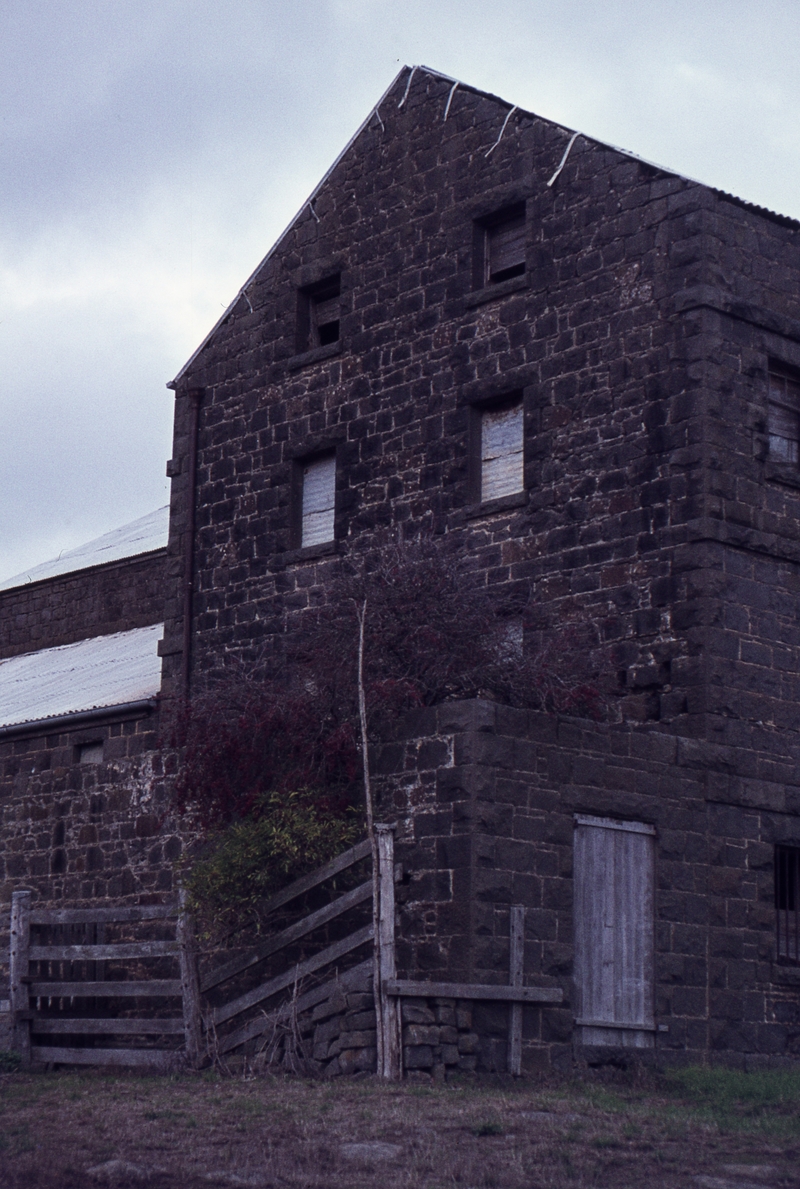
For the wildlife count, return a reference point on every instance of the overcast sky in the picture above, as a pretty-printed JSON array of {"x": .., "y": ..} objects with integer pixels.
[{"x": 152, "y": 151}]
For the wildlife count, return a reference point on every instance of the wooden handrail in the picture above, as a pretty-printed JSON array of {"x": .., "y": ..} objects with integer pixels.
[
  {"x": 406, "y": 988},
  {"x": 56, "y": 1025}
]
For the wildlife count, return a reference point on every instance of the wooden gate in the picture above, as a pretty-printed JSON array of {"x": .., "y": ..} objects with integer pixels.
[
  {"x": 73, "y": 999},
  {"x": 321, "y": 946}
]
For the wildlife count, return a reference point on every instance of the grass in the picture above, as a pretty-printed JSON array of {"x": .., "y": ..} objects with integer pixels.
[
  {"x": 759, "y": 1102},
  {"x": 657, "y": 1131}
]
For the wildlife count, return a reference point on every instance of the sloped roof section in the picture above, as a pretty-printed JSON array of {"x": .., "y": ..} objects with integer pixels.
[
  {"x": 144, "y": 535},
  {"x": 103, "y": 671}
]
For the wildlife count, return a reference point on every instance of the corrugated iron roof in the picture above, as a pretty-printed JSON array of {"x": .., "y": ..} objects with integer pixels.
[
  {"x": 102, "y": 671},
  {"x": 140, "y": 536}
]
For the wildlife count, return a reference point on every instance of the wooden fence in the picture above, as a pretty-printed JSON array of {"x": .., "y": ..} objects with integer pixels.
[{"x": 76, "y": 972}]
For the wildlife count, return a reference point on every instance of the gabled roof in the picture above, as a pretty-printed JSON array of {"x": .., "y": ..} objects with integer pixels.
[
  {"x": 784, "y": 220},
  {"x": 144, "y": 535},
  {"x": 104, "y": 671}
]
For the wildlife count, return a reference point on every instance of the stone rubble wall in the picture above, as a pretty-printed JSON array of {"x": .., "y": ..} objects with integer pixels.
[
  {"x": 338, "y": 1037},
  {"x": 86, "y": 834}
]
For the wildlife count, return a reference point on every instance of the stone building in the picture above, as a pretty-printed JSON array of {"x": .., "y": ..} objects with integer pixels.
[
  {"x": 585, "y": 370},
  {"x": 79, "y": 685}
]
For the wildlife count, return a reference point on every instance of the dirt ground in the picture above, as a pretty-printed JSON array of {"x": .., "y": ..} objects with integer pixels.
[{"x": 701, "y": 1129}]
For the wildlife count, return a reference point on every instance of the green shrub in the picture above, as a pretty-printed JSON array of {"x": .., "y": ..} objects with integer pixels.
[{"x": 247, "y": 862}]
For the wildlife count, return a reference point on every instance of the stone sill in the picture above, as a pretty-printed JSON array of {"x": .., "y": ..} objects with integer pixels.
[
  {"x": 494, "y": 292},
  {"x": 310, "y": 553},
  {"x": 788, "y": 975},
  {"x": 782, "y": 472},
  {"x": 504, "y": 503},
  {"x": 315, "y": 356}
]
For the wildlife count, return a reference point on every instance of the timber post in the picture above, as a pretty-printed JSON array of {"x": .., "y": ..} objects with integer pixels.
[
  {"x": 390, "y": 1068},
  {"x": 516, "y": 962},
  {"x": 190, "y": 985},
  {"x": 19, "y": 974}
]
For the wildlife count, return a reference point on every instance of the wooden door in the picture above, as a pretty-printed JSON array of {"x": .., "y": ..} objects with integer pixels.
[{"x": 614, "y": 869}]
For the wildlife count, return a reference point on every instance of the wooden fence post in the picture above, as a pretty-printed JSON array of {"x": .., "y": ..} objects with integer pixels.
[
  {"x": 190, "y": 986},
  {"x": 391, "y": 1067},
  {"x": 18, "y": 971},
  {"x": 516, "y": 964}
]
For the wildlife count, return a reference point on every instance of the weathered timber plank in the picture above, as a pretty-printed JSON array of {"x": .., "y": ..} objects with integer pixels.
[
  {"x": 83, "y": 916},
  {"x": 143, "y": 1058},
  {"x": 580, "y": 1022},
  {"x": 152, "y": 988},
  {"x": 328, "y": 913},
  {"x": 357, "y": 977},
  {"x": 49, "y": 1026},
  {"x": 515, "y": 970},
  {"x": 123, "y": 949},
  {"x": 190, "y": 986},
  {"x": 390, "y": 1060},
  {"x": 346, "y": 859},
  {"x": 18, "y": 973},
  {"x": 418, "y": 990},
  {"x": 227, "y": 1010}
]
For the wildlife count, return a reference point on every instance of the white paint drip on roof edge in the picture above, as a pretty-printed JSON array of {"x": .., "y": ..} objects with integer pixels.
[
  {"x": 101, "y": 671},
  {"x": 140, "y": 536}
]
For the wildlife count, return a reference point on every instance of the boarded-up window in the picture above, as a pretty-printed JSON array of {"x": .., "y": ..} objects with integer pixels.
[
  {"x": 318, "y": 314},
  {"x": 318, "y": 500},
  {"x": 502, "y": 454},
  {"x": 784, "y": 417},
  {"x": 787, "y": 902},
  {"x": 505, "y": 247},
  {"x": 614, "y": 915}
]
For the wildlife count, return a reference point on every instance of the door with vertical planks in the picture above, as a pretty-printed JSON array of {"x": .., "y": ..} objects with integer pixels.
[{"x": 614, "y": 879}]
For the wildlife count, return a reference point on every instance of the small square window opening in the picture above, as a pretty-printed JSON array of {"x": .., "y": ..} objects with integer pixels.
[
  {"x": 783, "y": 418},
  {"x": 318, "y": 501},
  {"x": 504, "y": 246},
  {"x": 319, "y": 315},
  {"x": 502, "y": 452},
  {"x": 787, "y": 906},
  {"x": 90, "y": 753}
]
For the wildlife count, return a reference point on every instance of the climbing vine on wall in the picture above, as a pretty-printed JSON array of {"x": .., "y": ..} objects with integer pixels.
[{"x": 271, "y": 769}]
